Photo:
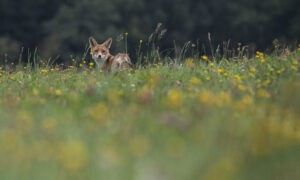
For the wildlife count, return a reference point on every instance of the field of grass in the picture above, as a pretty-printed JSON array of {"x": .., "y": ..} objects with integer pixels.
[{"x": 236, "y": 118}]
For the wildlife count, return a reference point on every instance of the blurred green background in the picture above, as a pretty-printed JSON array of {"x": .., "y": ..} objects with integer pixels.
[{"x": 62, "y": 27}]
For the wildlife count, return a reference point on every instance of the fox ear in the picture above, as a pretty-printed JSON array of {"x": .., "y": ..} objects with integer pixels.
[
  {"x": 108, "y": 42},
  {"x": 92, "y": 42}
]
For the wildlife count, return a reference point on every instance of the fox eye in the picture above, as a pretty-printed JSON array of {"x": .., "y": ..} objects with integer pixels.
[{"x": 103, "y": 51}]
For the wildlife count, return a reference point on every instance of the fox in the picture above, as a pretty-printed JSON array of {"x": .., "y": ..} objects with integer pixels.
[{"x": 104, "y": 60}]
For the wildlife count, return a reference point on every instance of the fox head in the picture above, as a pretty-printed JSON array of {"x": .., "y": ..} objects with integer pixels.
[{"x": 100, "y": 51}]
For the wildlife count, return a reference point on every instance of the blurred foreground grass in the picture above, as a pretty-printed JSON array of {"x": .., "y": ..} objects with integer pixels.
[{"x": 233, "y": 119}]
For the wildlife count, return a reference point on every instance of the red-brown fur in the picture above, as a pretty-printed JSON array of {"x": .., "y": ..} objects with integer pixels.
[{"x": 102, "y": 57}]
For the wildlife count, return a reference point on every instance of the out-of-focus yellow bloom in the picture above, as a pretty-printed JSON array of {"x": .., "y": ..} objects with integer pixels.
[
  {"x": 25, "y": 122},
  {"x": 211, "y": 64},
  {"x": 91, "y": 64},
  {"x": 206, "y": 97},
  {"x": 267, "y": 82},
  {"x": 174, "y": 99},
  {"x": 195, "y": 81},
  {"x": 44, "y": 71},
  {"x": 208, "y": 78},
  {"x": 35, "y": 92},
  {"x": 49, "y": 125},
  {"x": 58, "y": 93},
  {"x": 242, "y": 87},
  {"x": 295, "y": 62},
  {"x": 278, "y": 72},
  {"x": 189, "y": 62},
  {"x": 252, "y": 70},
  {"x": 100, "y": 113},
  {"x": 204, "y": 58},
  {"x": 73, "y": 155},
  {"x": 220, "y": 71},
  {"x": 261, "y": 93},
  {"x": 126, "y": 33},
  {"x": 237, "y": 77},
  {"x": 225, "y": 74},
  {"x": 141, "y": 41}
]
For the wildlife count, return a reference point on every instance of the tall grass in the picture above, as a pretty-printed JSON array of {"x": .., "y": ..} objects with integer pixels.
[{"x": 229, "y": 115}]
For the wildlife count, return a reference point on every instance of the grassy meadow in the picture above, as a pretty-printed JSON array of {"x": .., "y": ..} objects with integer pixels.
[{"x": 198, "y": 118}]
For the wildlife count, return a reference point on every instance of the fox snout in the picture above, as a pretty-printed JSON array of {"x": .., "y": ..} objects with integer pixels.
[{"x": 99, "y": 56}]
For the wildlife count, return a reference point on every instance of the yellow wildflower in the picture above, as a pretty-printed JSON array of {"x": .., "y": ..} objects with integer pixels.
[
  {"x": 237, "y": 77},
  {"x": 295, "y": 62},
  {"x": 211, "y": 64},
  {"x": 58, "y": 93},
  {"x": 73, "y": 155},
  {"x": 220, "y": 70},
  {"x": 174, "y": 98},
  {"x": 278, "y": 72},
  {"x": 261, "y": 93},
  {"x": 195, "y": 81},
  {"x": 35, "y": 92},
  {"x": 242, "y": 88},
  {"x": 204, "y": 58},
  {"x": 44, "y": 71},
  {"x": 141, "y": 41},
  {"x": 252, "y": 70}
]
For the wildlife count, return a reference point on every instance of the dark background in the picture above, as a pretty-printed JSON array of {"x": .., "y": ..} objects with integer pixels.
[{"x": 62, "y": 27}]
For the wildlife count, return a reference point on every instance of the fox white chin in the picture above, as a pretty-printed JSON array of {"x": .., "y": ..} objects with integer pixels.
[{"x": 99, "y": 61}]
